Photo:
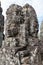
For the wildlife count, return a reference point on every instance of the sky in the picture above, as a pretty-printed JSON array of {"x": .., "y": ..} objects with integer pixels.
[{"x": 37, "y": 5}]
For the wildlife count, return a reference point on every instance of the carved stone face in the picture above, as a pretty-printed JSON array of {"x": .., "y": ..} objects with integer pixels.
[
  {"x": 13, "y": 26},
  {"x": 30, "y": 20},
  {"x": 14, "y": 19}
]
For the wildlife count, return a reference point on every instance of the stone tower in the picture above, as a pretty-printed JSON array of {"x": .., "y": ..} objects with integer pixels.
[
  {"x": 21, "y": 43},
  {"x": 20, "y": 35}
]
